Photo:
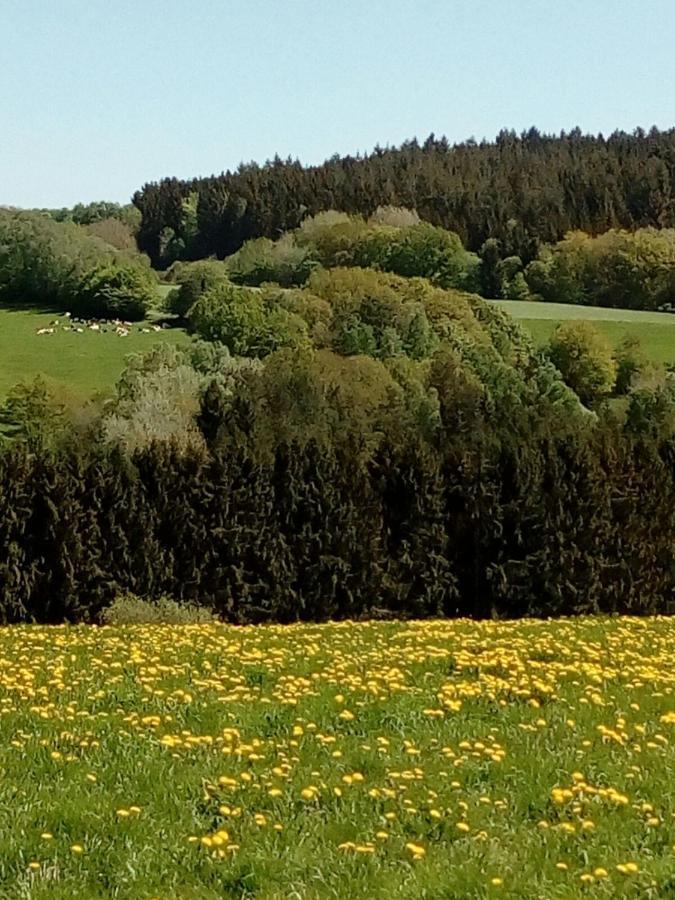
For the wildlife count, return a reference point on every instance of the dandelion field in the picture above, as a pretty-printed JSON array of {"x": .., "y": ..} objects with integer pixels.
[{"x": 438, "y": 759}]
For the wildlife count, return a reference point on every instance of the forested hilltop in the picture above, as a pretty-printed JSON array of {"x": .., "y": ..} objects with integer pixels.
[{"x": 520, "y": 190}]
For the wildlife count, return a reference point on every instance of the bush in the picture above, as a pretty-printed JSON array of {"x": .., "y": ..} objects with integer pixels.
[
  {"x": 128, "y": 609},
  {"x": 283, "y": 262},
  {"x": 616, "y": 269},
  {"x": 194, "y": 280},
  {"x": 115, "y": 292},
  {"x": 585, "y": 359},
  {"x": 631, "y": 361},
  {"x": 113, "y": 232},
  {"x": 242, "y": 320}
]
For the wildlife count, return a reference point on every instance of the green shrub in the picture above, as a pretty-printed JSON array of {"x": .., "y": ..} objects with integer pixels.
[
  {"x": 128, "y": 609},
  {"x": 115, "y": 291},
  {"x": 631, "y": 361},
  {"x": 193, "y": 280},
  {"x": 245, "y": 322},
  {"x": 283, "y": 262},
  {"x": 585, "y": 359}
]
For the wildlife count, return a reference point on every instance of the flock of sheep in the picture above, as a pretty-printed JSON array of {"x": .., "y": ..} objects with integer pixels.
[{"x": 117, "y": 326}]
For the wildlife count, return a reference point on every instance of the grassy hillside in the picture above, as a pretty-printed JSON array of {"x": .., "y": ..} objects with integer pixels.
[
  {"x": 75, "y": 365},
  {"x": 655, "y": 330}
]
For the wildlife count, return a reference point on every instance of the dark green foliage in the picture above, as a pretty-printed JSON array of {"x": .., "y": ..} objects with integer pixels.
[
  {"x": 566, "y": 523},
  {"x": 522, "y": 190}
]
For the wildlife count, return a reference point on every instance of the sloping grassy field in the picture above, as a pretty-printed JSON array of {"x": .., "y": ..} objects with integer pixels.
[
  {"x": 75, "y": 366},
  {"x": 656, "y": 331},
  {"x": 438, "y": 759}
]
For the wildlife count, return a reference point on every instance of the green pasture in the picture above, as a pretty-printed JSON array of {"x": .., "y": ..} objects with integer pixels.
[
  {"x": 656, "y": 331},
  {"x": 75, "y": 366}
]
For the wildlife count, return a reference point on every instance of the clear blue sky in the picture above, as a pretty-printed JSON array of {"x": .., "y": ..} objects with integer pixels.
[{"x": 98, "y": 97}]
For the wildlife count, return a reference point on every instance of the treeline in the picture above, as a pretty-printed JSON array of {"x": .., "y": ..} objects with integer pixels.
[
  {"x": 561, "y": 526},
  {"x": 99, "y": 211},
  {"x": 64, "y": 266},
  {"x": 522, "y": 190},
  {"x": 615, "y": 269},
  {"x": 403, "y": 451}
]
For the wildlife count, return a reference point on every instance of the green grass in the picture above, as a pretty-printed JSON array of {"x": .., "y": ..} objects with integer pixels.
[
  {"x": 75, "y": 366},
  {"x": 656, "y": 331},
  {"x": 408, "y": 760}
]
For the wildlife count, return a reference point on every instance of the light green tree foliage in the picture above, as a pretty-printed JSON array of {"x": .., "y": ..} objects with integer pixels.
[
  {"x": 47, "y": 263},
  {"x": 31, "y": 414},
  {"x": 246, "y": 321},
  {"x": 393, "y": 240},
  {"x": 284, "y": 262},
  {"x": 616, "y": 269},
  {"x": 113, "y": 232},
  {"x": 512, "y": 283},
  {"x": 98, "y": 211},
  {"x": 114, "y": 291},
  {"x": 314, "y": 310},
  {"x": 305, "y": 396},
  {"x": 177, "y": 243},
  {"x": 193, "y": 280},
  {"x": 421, "y": 250},
  {"x": 397, "y": 216},
  {"x": 585, "y": 359},
  {"x": 651, "y": 404},
  {"x": 373, "y": 314},
  {"x": 157, "y": 398},
  {"x": 513, "y": 342},
  {"x": 631, "y": 361}
]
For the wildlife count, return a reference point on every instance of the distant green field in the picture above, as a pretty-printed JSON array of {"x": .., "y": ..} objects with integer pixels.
[
  {"x": 75, "y": 366},
  {"x": 656, "y": 331}
]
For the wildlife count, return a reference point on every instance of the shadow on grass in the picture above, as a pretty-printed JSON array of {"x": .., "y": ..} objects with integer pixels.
[{"x": 35, "y": 308}]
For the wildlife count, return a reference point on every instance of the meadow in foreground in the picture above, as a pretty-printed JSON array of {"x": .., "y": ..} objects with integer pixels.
[{"x": 437, "y": 759}]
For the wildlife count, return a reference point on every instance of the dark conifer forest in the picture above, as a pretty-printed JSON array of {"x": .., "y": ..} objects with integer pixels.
[{"x": 523, "y": 190}]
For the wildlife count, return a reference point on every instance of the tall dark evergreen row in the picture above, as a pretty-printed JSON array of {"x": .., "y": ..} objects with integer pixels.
[
  {"x": 523, "y": 190},
  {"x": 565, "y": 524}
]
